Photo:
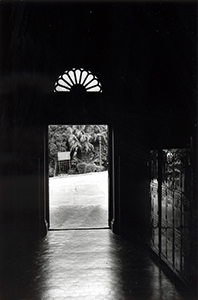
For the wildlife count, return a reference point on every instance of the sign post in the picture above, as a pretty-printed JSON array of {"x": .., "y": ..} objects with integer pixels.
[{"x": 63, "y": 156}]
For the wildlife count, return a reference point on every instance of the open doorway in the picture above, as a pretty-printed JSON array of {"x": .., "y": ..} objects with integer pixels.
[{"x": 78, "y": 176}]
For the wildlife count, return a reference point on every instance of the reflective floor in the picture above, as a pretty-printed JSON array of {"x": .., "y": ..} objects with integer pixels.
[{"x": 87, "y": 264}]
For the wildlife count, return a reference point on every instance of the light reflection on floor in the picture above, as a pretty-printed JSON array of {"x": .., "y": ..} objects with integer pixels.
[{"x": 96, "y": 264}]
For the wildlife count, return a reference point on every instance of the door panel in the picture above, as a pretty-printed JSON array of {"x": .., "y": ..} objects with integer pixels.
[{"x": 171, "y": 212}]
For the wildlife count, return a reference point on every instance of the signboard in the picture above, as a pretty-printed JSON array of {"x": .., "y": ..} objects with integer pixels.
[{"x": 64, "y": 155}]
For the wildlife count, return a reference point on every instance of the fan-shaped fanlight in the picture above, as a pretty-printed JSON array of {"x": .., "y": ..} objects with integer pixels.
[{"x": 77, "y": 77}]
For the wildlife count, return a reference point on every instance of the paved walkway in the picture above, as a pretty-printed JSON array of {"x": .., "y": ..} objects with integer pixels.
[{"x": 79, "y": 201}]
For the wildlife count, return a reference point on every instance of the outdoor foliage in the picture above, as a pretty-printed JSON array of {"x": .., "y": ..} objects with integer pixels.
[{"x": 83, "y": 143}]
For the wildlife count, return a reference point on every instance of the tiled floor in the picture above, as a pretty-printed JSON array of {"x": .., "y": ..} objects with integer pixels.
[{"x": 87, "y": 264}]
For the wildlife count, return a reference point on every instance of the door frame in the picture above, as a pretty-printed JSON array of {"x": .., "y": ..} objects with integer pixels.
[{"x": 112, "y": 219}]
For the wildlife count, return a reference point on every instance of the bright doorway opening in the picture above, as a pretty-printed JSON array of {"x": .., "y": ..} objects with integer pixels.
[{"x": 78, "y": 176}]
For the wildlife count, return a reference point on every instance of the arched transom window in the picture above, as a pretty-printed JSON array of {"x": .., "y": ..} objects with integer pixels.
[{"x": 77, "y": 77}]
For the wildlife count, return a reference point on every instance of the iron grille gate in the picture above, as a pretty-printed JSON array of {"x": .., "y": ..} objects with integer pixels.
[{"x": 171, "y": 214}]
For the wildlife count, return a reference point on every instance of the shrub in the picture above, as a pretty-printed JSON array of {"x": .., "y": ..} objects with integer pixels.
[
  {"x": 72, "y": 171},
  {"x": 100, "y": 169},
  {"x": 90, "y": 168},
  {"x": 51, "y": 171},
  {"x": 81, "y": 167}
]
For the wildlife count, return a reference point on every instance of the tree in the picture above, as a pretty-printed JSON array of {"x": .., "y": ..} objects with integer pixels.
[{"x": 88, "y": 144}]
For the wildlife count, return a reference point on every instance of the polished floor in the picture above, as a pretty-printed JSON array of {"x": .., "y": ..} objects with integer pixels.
[{"x": 86, "y": 264}]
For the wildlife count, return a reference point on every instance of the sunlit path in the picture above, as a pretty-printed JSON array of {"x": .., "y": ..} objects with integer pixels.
[{"x": 79, "y": 201}]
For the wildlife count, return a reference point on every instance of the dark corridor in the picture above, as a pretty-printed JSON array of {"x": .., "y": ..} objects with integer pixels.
[{"x": 135, "y": 67}]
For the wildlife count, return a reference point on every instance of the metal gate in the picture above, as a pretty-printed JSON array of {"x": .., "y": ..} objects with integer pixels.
[{"x": 171, "y": 211}]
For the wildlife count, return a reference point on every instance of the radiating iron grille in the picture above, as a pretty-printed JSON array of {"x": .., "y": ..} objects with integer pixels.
[{"x": 77, "y": 77}]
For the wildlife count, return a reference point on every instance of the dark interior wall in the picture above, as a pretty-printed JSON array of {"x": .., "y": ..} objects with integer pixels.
[{"x": 145, "y": 57}]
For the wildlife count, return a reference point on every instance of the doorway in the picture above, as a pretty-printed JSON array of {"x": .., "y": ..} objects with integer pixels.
[{"x": 78, "y": 171}]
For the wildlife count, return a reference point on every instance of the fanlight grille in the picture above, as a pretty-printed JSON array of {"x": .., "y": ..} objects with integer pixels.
[{"x": 77, "y": 77}]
